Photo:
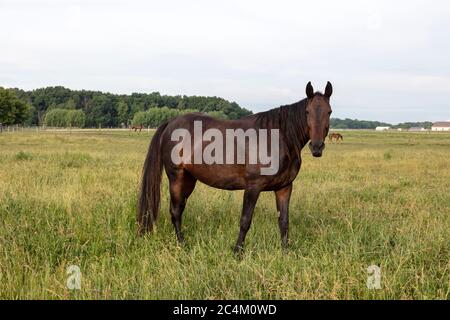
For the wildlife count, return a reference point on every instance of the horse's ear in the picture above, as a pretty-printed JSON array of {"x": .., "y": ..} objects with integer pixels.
[
  {"x": 309, "y": 90},
  {"x": 328, "y": 90}
]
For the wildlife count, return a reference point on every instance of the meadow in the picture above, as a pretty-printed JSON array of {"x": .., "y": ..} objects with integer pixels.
[{"x": 378, "y": 198}]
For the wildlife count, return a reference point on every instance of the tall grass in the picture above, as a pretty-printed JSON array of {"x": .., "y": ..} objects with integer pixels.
[{"x": 377, "y": 199}]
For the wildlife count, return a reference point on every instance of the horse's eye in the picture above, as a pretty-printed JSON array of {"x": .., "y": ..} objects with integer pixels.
[{"x": 329, "y": 112}]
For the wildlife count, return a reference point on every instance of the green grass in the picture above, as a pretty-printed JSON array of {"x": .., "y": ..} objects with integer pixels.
[{"x": 377, "y": 198}]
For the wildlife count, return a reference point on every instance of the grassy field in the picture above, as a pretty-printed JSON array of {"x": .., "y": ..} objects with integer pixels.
[{"x": 70, "y": 198}]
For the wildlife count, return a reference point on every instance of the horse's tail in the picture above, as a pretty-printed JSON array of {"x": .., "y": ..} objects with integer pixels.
[{"x": 149, "y": 196}]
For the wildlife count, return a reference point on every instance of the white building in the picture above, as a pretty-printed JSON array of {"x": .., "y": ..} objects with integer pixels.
[
  {"x": 382, "y": 128},
  {"x": 416, "y": 129},
  {"x": 441, "y": 126}
]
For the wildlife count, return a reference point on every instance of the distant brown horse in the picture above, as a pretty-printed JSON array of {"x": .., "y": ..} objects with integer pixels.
[
  {"x": 137, "y": 127},
  {"x": 337, "y": 136},
  {"x": 297, "y": 124}
]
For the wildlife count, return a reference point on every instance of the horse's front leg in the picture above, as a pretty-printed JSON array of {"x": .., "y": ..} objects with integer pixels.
[
  {"x": 250, "y": 197},
  {"x": 283, "y": 197}
]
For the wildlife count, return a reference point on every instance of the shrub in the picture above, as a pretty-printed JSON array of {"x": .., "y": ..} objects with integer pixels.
[{"x": 23, "y": 156}]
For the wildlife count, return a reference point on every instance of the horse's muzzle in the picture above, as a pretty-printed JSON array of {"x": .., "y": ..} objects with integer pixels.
[{"x": 316, "y": 148}]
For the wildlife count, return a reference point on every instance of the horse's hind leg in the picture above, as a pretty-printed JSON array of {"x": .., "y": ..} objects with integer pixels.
[{"x": 181, "y": 186}]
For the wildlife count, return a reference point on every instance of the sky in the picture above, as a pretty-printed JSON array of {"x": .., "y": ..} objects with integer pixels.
[{"x": 387, "y": 60}]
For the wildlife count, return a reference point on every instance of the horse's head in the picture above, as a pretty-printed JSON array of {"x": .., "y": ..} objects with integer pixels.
[{"x": 318, "y": 111}]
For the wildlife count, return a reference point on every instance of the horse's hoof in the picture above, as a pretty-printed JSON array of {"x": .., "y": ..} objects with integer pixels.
[
  {"x": 238, "y": 251},
  {"x": 181, "y": 240}
]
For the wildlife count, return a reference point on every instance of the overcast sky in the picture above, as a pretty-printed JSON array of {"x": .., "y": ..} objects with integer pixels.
[{"x": 387, "y": 60}]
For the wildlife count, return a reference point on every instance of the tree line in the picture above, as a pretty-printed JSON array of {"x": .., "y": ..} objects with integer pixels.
[
  {"x": 407, "y": 125},
  {"x": 336, "y": 123},
  {"x": 117, "y": 110}
]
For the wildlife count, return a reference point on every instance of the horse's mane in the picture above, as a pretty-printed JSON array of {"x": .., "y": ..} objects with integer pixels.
[{"x": 290, "y": 120}]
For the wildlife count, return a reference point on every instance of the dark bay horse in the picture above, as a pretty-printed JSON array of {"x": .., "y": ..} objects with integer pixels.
[
  {"x": 137, "y": 127},
  {"x": 297, "y": 124}
]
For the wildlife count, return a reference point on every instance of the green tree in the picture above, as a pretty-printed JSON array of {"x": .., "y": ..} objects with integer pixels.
[
  {"x": 65, "y": 118},
  {"x": 70, "y": 104},
  {"x": 181, "y": 104},
  {"x": 56, "y": 118},
  {"x": 218, "y": 114},
  {"x": 12, "y": 109},
  {"x": 75, "y": 118},
  {"x": 122, "y": 113},
  {"x": 32, "y": 118},
  {"x": 153, "y": 117},
  {"x": 102, "y": 112},
  {"x": 136, "y": 107}
]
